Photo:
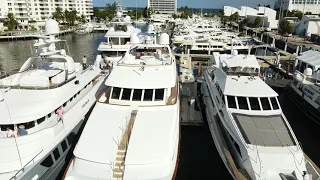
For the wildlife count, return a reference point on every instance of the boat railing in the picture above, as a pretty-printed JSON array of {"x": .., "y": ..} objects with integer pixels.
[
  {"x": 22, "y": 169},
  {"x": 238, "y": 131},
  {"x": 259, "y": 160}
]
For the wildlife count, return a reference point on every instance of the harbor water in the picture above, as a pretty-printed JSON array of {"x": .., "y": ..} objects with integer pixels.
[{"x": 199, "y": 158}]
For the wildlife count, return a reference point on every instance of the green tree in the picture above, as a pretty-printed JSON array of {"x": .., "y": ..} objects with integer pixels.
[
  {"x": 135, "y": 14},
  {"x": 174, "y": 16},
  {"x": 235, "y": 16},
  {"x": 70, "y": 17},
  {"x": 221, "y": 13},
  {"x": 111, "y": 10},
  {"x": 99, "y": 13},
  {"x": 82, "y": 19},
  {"x": 285, "y": 27},
  {"x": 58, "y": 15},
  {"x": 185, "y": 12},
  {"x": 245, "y": 21},
  {"x": 257, "y": 22},
  {"x": 10, "y": 21},
  {"x": 147, "y": 12}
]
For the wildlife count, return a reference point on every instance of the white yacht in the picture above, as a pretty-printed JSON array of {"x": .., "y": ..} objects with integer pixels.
[
  {"x": 249, "y": 129},
  {"x": 118, "y": 38},
  {"x": 29, "y": 100},
  {"x": 84, "y": 29},
  {"x": 133, "y": 132},
  {"x": 305, "y": 88}
]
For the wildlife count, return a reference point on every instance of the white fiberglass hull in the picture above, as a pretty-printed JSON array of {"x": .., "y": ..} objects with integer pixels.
[{"x": 41, "y": 169}]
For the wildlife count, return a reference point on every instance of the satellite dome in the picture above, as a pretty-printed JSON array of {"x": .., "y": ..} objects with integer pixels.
[
  {"x": 164, "y": 39},
  {"x": 119, "y": 14},
  {"x": 111, "y": 29},
  {"x": 52, "y": 27},
  {"x": 308, "y": 72},
  {"x": 134, "y": 39},
  {"x": 127, "y": 18}
]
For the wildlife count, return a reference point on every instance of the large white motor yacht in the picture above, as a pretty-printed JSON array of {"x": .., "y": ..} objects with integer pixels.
[
  {"x": 305, "y": 88},
  {"x": 118, "y": 37},
  {"x": 29, "y": 100},
  {"x": 249, "y": 129},
  {"x": 133, "y": 131}
]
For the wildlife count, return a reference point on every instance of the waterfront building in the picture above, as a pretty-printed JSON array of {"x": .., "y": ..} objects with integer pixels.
[
  {"x": 41, "y": 10},
  {"x": 312, "y": 6},
  {"x": 268, "y": 15},
  {"x": 163, "y": 6},
  {"x": 309, "y": 24}
]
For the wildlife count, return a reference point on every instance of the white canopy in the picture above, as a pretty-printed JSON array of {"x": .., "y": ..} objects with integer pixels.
[{"x": 311, "y": 57}]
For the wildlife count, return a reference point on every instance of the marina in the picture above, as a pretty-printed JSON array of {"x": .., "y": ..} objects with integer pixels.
[{"x": 165, "y": 99}]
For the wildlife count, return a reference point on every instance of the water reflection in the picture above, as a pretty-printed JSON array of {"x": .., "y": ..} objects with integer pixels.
[{"x": 14, "y": 53}]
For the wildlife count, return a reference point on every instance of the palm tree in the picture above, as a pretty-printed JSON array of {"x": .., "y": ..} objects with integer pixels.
[
  {"x": 58, "y": 14},
  {"x": 11, "y": 21},
  {"x": 82, "y": 18}
]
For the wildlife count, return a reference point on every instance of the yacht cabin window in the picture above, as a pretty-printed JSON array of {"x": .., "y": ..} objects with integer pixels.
[
  {"x": 137, "y": 94},
  {"x": 159, "y": 93},
  {"x": 274, "y": 103},
  {"x": 116, "y": 93},
  {"x": 265, "y": 104},
  {"x": 231, "y": 102},
  {"x": 126, "y": 93},
  {"x": 242, "y": 102},
  {"x": 254, "y": 103},
  {"x": 148, "y": 93}
]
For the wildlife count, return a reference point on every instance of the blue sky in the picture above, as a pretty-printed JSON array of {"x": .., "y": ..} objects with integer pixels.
[{"x": 191, "y": 3}]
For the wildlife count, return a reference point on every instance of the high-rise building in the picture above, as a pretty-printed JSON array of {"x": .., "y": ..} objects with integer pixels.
[
  {"x": 312, "y": 6},
  {"x": 41, "y": 10},
  {"x": 163, "y": 6}
]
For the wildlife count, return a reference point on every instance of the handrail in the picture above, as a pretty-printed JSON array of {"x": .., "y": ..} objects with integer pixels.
[
  {"x": 258, "y": 159},
  {"x": 22, "y": 169},
  {"x": 237, "y": 129}
]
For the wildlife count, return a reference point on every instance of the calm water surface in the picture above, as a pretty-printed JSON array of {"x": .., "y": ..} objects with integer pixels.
[{"x": 199, "y": 158}]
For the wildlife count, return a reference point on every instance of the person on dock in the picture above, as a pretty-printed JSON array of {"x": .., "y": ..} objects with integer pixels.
[
  {"x": 84, "y": 62},
  {"x": 60, "y": 113},
  {"x": 9, "y": 132},
  {"x": 22, "y": 131}
]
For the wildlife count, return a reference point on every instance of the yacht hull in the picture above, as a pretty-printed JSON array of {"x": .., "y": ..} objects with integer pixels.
[
  {"x": 216, "y": 131},
  {"x": 77, "y": 115},
  {"x": 302, "y": 104}
]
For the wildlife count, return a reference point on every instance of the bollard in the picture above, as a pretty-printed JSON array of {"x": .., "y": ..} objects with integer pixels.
[
  {"x": 297, "y": 50},
  {"x": 273, "y": 42},
  {"x": 285, "y": 46},
  {"x": 261, "y": 37}
]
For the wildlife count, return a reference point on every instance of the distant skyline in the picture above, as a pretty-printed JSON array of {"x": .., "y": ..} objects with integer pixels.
[{"x": 210, "y": 4}]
